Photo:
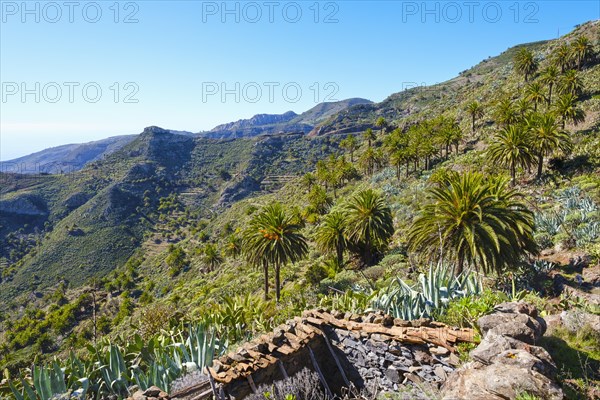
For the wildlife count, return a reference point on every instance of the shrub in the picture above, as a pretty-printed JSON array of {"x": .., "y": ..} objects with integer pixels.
[{"x": 315, "y": 274}]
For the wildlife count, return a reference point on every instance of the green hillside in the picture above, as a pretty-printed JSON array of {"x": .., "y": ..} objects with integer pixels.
[{"x": 168, "y": 230}]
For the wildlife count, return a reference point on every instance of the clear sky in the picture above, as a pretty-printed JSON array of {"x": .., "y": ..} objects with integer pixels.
[{"x": 76, "y": 71}]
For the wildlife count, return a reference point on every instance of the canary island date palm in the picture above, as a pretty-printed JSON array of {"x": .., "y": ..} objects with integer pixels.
[
  {"x": 369, "y": 136},
  {"x": 369, "y": 224},
  {"x": 571, "y": 83},
  {"x": 534, "y": 92},
  {"x": 550, "y": 77},
  {"x": 547, "y": 138},
  {"x": 273, "y": 238},
  {"x": 511, "y": 148},
  {"x": 525, "y": 63},
  {"x": 523, "y": 107},
  {"x": 381, "y": 123},
  {"x": 476, "y": 111},
  {"x": 212, "y": 256},
  {"x": 566, "y": 108},
  {"x": 582, "y": 50},
  {"x": 330, "y": 235},
  {"x": 563, "y": 57},
  {"x": 506, "y": 112},
  {"x": 473, "y": 222},
  {"x": 349, "y": 144}
]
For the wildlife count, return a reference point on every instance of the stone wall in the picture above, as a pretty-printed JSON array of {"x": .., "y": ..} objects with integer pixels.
[
  {"x": 380, "y": 353},
  {"x": 374, "y": 351}
]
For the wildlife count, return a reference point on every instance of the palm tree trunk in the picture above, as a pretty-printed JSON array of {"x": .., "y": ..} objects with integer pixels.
[
  {"x": 266, "y": 270},
  {"x": 459, "y": 265},
  {"x": 340, "y": 256},
  {"x": 407, "y": 164},
  {"x": 513, "y": 173},
  {"x": 540, "y": 165},
  {"x": 473, "y": 124},
  {"x": 550, "y": 94},
  {"x": 277, "y": 282}
]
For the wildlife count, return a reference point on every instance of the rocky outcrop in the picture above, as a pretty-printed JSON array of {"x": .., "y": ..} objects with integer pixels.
[{"x": 507, "y": 362}]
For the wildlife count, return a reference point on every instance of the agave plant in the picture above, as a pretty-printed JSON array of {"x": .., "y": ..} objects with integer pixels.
[
  {"x": 587, "y": 233},
  {"x": 432, "y": 293},
  {"x": 550, "y": 224},
  {"x": 114, "y": 372},
  {"x": 542, "y": 266},
  {"x": 48, "y": 383}
]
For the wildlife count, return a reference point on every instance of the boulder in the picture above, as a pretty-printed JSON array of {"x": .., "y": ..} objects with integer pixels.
[
  {"x": 506, "y": 363},
  {"x": 516, "y": 320},
  {"x": 499, "y": 381}
]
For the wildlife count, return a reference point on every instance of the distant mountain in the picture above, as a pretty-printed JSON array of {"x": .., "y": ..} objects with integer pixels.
[
  {"x": 70, "y": 157},
  {"x": 289, "y": 122}
]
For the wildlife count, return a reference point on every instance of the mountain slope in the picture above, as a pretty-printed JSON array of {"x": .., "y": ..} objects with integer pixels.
[
  {"x": 289, "y": 122},
  {"x": 84, "y": 224}
]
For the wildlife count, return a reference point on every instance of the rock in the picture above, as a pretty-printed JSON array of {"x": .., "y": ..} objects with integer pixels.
[
  {"x": 439, "y": 350},
  {"x": 518, "y": 307},
  {"x": 495, "y": 345},
  {"x": 519, "y": 326},
  {"x": 575, "y": 320},
  {"x": 413, "y": 378},
  {"x": 422, "y": 357},
  {"x": 138, "y": 395},
  {"x": 498, "y": 381},
  {"x": 152, "y": 391},
  {"x": 440, "y": 373},
  {"x": 506, "y": 363},
  {"x": 453, "y": 360}
]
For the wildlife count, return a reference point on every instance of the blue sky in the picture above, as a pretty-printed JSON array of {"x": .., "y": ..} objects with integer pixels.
[{"x": 80, "y": 71}]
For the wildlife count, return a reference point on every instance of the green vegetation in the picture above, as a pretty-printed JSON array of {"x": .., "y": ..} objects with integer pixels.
[{"x": 432, "y": 203}]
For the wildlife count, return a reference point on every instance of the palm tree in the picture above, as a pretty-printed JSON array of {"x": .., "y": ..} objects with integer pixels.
[
  {"x": 368, "y": 160},
  {"x": 273, "y": 238},
  {"x": 323, "y": 173},
  {"x": 234, "y": 245},
  {"x": 550, "y": 77},
  {"x": 547, "y": 137},
  {"x": 570, "y": 82},
  {"x": 369, "y": 136},
  {"x": 330, "y": 236},
  {"x": 476, "y": 222},
  {"x": 566, "y": 108},
  {"x": 523, "y": 106},
  {"x": 211, "y": 257},
  {"x": 534, "y": 92},
  {"x": 349, "y": 144},
  {"x": 511, "y": 147},
  {"x": 475, "y": 110},
  {"x": 396, "y": 144},
  {"x": 506, "y": 113},
  {"x": 308, "y": 180},
  {"x": 582, "y": 50},
  {"x": 525, "y": 63},
  {"x": 381, "y": 123},
  {"x": 563, "y": 57},
  {"x": 369, "y": 223}
]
